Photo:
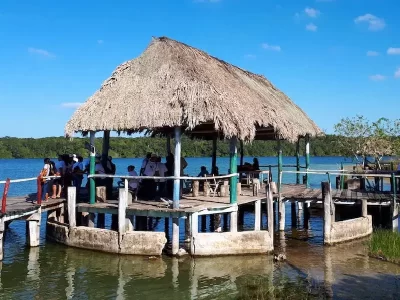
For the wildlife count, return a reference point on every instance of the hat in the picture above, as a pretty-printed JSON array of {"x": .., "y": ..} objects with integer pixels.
[{"x": 75, "y": 159}]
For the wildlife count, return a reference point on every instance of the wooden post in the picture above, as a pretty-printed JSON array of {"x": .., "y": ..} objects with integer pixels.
[
  {"x": 92, "y": 193},
  {"x": 176, "y": 194},
  {"x": 239, "y": 188},
  {"x": 326, "y": 193},
  {"x": 195, "y": 188},
  {"x": 298, "y": 160},
  {"x": 233, "y": 221},
  {"x": 194, "y": 231},
  {"x": 256, "y": 186},
  {"x": 293, "y": 214},
  {"x": 342, "y": 178},
  {"x": 257, "y": 215},
  {"x": 33, "y": 228},
  {"x": 233, "y": 169},
  {"x": 270, "y": 211},
  {"x": 306, "y": 224},
  {"x": 206, "y": 189},
  {"x": 122, "y": 204},
  {"x": 241, "y": 153},
  {"x": 307, "y": 159},
  {"x": 280, "y": 165},
  {"x": 223, "y": 190},
  {"x": 101, "y": 195},
  {"x": 72, "y": 206},
  {"x": 214, "y": 154},
  {"x": 106, "y": 146},
  {"x": 217, "y": 223},
  {"x": 364, "y": 205}
]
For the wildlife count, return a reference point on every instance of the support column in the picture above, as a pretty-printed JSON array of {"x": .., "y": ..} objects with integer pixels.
[
  {"x": 106, "y": 146},
  {"x": 307, "y": 214},
  {"x": 270, "y": 211},
  {"x": 364, "y": 205},
  {"x": 241, "y": 153},
  {"x": 166, "y": 229},
  {"x": 298, "y": 161},
  {"x": 194, "y": 231},
  {"x": 257, "y": 215},
  {"x": 327, "y": 197},
  {"x": 177, "y": 189},
  {"x": 214, "y": 154},
  {"x": 281, "y": 204},
  {"x": 307, "y": 159},
  {"x": 33, "y": 229},
  {"x": 233, "y": 182},
  {"x": 168, "y": 144},
  {"x": 293, "y": 214},
  {"x": 92, "y": 193},
  {"x": 72, "y": 206},
  {"x": 122, "y": 220},
  {"x": 233, "y": 169}
]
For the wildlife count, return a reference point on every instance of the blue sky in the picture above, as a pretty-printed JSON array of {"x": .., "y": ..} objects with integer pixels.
[{"x": 334, "y": 58}]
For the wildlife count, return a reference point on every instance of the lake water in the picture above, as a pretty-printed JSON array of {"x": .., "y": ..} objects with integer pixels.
[{"x": 54, "y": 271}]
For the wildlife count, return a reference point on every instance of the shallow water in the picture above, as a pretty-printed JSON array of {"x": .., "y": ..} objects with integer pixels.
[{"x": 54, "y": 271}]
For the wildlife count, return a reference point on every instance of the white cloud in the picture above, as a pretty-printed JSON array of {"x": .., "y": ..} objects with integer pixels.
[
  {"x": 374, "y": 23},
  {"x": 71, "y": 104},
  {"x": 271, "y": 47},
  {"x": 250, "y": 56},
  {"x": 397, "y": 73},
  {"x": 372, "y": 53},
  {"x": 311, "y": 27},
  {"x": 40, "y": 52},
  {"x": 311, "y": 12},
  {"x": 100, "y": 42},
  {"x": 377, "y": 77},
  {"x": 393, "y": 51}
]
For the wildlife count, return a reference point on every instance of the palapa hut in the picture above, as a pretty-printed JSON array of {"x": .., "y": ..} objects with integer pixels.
[{"x": 174, "y": 86}]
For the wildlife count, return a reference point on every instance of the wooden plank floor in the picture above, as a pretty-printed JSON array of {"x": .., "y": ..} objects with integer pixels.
[
  {"x": 22, "y": 205},
  {"x": 188, "y": 204},
  {"x": 301, "y": 192}
]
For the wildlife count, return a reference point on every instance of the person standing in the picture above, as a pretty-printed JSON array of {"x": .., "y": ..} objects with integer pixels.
[
  {"x": 145, "y": 161},
  {"x": 44, "y": 173},
  {"x": 77, "y": 174},
  {"x": 162, "y": 172}
]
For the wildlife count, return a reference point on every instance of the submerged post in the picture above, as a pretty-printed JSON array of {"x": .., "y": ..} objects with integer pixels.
[
  {"x": 92, "y": 193},
  {"x": 307, "y": 159},
  {"x": 233, "y": 168},
  {"x": 177, "y": 190},
  {"x": 298, "y": 161},
  {"x": 328, "y": 203}
]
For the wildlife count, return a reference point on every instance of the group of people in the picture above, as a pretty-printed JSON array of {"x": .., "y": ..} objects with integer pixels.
[
  {"x": 152, "y": 166},
  {"x": 67, "y": 171}
]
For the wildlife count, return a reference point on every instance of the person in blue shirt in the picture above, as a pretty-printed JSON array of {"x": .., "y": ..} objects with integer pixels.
[{"x": 203, "y": 172}]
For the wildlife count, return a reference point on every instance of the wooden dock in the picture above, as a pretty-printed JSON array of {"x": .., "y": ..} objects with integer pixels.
[
  {"x": 293, "y": 192},
  {"x": 20, "y": 207}
]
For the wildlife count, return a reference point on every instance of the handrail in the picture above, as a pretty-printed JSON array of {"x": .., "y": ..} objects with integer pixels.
[
  {"x": 345, "y": 174},
  {"x": 26, "y": 179},
  {"x": 162, "y": 177}
]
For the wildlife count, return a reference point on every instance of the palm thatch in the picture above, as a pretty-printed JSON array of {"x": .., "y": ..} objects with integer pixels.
[{"x": 172, "y": 84}]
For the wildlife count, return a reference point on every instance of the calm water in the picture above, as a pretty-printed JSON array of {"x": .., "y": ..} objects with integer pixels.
[{"x": 53, "y": 271}]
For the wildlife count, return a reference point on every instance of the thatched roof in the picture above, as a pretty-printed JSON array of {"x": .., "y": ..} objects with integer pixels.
[{"x": 172, "y": 84}]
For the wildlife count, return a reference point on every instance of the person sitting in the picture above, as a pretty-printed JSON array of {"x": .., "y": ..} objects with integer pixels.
[{"x": 203, "y": 172}]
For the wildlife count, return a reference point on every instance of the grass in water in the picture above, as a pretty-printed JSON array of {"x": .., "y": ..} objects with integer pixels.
[{"x": 385, "y": 244}]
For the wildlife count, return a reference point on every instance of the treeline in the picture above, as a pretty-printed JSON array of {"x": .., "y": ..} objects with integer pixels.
[{"x": 11, "y": 147}]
